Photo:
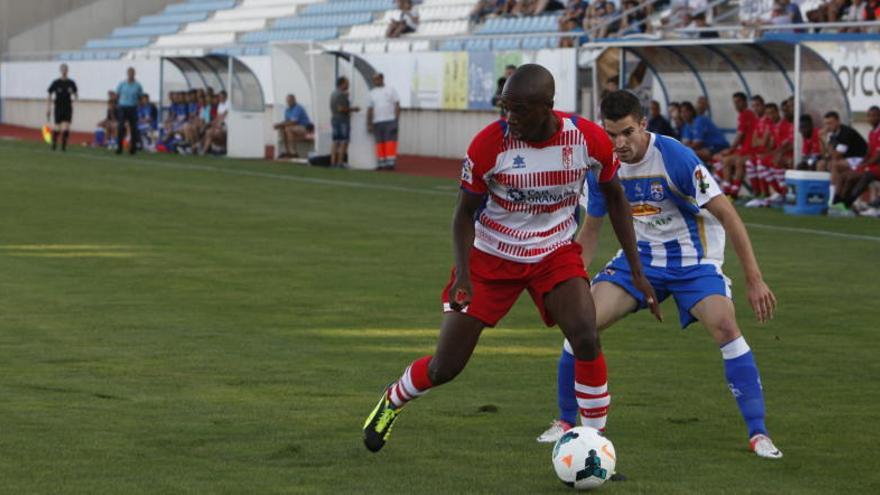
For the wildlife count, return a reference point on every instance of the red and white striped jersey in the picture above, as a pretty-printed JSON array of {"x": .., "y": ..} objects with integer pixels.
[{"x": 533, "y": 189}]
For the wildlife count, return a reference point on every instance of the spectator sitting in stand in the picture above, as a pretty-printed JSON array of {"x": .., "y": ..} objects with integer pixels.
[
  {"x": 408, "y": 22},
  {"x": 632, "y": 22},
  {"x": 856, "y": 12},
  {"x": 701, "y": 134},
  {"x": 598, "y": 23},
  {"x": 657, "y": 123},
  {"x": 577, "y": 37},
  {"x": 542, "y": 6},
  {"x": 575, "y": 11},
  {"x": 486, "y": 8}
]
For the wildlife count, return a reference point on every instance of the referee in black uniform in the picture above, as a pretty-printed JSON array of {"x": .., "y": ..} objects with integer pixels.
[{"x": 64, "y": 90}]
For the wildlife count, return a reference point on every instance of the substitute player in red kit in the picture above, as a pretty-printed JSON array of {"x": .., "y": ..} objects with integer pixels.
[{"x": 513, "y": 229}]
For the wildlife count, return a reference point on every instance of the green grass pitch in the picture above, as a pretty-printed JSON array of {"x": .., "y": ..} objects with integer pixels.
[{"x": 172, "y": 325}]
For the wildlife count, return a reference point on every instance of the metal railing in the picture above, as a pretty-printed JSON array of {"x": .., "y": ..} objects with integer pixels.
[
  {"x": 805, "y": 28},
  {"x": 727, "y": 30}
]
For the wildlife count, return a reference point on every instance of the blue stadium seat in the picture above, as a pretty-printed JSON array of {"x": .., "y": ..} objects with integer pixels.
[
  {"x": 206, "y": 6},
  {"x": 320, "y": 21},
  {"x": 531, "y": 24},
  {"x": 478, "y": 45},
  {"x": 506, "y": 44},
  {"x": 451, "y": 46},
  {"x": 173, "y": 18},
  {"x": 289, "y": 35},
  {"x": 118, "y": 43},
  {"x": 145, "y": 30},
  {"x": 348, "y": 7}
]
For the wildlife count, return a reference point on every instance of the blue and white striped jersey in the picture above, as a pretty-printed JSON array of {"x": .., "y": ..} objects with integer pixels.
[{"x": 667, "y": 190}]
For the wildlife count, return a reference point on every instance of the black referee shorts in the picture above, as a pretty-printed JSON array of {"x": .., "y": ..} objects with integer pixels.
[{"x": 63, "y": 113}]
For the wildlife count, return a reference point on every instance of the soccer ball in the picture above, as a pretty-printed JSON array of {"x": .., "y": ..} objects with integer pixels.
[{"x": 583, "y": 458}]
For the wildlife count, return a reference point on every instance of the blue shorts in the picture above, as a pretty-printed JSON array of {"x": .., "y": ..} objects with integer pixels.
[
  {"x": 688, "y": 284},
  {"x": 341, "y": 131}
]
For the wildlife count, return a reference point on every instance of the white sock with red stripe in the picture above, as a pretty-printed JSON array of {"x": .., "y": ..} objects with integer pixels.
[
  {"x": 413, "y": 383},
  {"x": 591, "y": 389}
]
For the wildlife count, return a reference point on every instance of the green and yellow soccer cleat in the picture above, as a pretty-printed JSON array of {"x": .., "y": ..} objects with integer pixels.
[{"x": 377, "y": 428}]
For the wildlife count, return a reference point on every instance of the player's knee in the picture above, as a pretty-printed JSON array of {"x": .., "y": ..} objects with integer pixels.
[
  {"x": 726, "y": 329},
  {"x": 585, "y": 344}
]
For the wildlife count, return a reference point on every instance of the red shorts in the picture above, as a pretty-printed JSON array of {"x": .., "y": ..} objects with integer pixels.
[{"x": 497, "y": 282}]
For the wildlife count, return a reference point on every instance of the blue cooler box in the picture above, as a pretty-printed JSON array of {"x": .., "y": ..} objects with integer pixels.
[{"x": 808, "y": 192}]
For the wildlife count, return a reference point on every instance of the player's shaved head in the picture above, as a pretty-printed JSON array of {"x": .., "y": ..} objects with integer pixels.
[
  {"x": 530, "y": 82},
  {"x": 527, "y": 100}
]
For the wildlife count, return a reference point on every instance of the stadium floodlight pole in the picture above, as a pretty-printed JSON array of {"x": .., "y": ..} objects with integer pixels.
[{"x": 797, "y": 103}]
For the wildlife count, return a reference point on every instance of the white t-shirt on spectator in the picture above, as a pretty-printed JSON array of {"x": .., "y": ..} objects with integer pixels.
[
  {"x": 382, "y": 101},
  {"x": 410, "y": 18},
  {"x": 222, "y": 108}
]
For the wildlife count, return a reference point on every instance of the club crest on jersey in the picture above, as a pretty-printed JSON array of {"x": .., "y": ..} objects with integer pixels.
[
  {"x": 467, "y": 170},
  {"x": 567, "y": 156},
  {"x": 657, "y": 191},
  {"x": 519, "y": 162},
  {"x": 701, "y": 181}
]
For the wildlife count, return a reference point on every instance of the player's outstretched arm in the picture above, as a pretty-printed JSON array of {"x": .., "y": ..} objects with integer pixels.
[
  {"x": 463, "y": 241},
  {"x": 589, "y": 238},
  {"x": 620, "y": 214},
  {"x": 760, "y": 296}
]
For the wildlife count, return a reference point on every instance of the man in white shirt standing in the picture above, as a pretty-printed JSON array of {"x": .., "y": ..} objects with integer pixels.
[{"x": 382, "y": 116}]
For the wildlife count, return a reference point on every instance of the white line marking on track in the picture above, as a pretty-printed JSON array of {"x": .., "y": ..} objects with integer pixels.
[{"x": 389, "y": 187}]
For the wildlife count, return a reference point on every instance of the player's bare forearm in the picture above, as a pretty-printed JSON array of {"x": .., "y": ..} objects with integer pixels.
[
  {"x": 735, "y": 229},
  {"x": 737, "y": 140},
  {"x": 620, "y": 214},
  {"x": 463, "y": 229},
  {"x": 589, "y": 238}
]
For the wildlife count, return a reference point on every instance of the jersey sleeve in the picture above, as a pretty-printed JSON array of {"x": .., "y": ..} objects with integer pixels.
[
  {"x": 601, "y": 152},
  {"x": 688, "y": 173},
  {"x": 53, "y": 86},
  {"x": 75, "y": 89},
  {"x": 481, "y": 157},
  {"x": 596, "y": 206}
]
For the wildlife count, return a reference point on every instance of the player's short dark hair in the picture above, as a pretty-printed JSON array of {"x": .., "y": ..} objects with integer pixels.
[
  {"x": 340, "y": 80},
  {"x": 511, "y": 67},
  {"x": 832, "y": 115},
  {"x": 772, "y": 105},
  {"x": 674, "y": 104},
  {"x": 758, "y": 98},
  {"x": 689, "y": 106},
  {"x": 740, "y": 95},
  {"x": 621, "y": 103},
  {"x": 806, "y": 119},
  {"x": 874, "y": 108}
]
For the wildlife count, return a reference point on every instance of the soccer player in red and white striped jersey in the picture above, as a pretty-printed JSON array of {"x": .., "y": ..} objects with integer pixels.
[{"x": 513, "y": 230}]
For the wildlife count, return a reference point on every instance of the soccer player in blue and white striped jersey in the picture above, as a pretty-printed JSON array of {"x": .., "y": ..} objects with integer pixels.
[{"x": 681, "y": 218}]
